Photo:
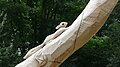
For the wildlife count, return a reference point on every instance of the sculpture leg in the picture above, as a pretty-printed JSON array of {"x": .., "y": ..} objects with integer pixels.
[
  {"x": 35, "y": 49},
  {"x": 32, "y": 51}
]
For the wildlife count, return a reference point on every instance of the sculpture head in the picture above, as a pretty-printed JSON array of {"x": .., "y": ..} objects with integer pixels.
[{"x": 62, "y": 25}]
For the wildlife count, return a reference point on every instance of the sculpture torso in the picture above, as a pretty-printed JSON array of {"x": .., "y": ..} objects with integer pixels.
[{"x": 61, "y": 28}]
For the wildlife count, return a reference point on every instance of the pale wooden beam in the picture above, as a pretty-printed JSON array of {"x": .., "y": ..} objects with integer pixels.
[{"x": 83, "y": 28}]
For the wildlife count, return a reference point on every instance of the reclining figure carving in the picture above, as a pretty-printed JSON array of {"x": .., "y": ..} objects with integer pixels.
[{"x": 60, "y": 29}]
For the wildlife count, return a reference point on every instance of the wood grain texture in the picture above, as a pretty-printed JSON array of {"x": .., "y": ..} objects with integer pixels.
[{"x": 83, "y": 28}]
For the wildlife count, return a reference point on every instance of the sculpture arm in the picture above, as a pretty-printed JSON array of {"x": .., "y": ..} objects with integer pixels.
[{"x": 32, "y": 51}]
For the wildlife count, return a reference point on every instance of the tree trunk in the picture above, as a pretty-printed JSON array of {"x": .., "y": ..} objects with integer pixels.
[{"x": 83, "y": 28}]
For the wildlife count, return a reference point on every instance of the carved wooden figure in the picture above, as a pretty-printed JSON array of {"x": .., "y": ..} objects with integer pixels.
[
  {"x": 61, "y": 28},
  {"x": 59, "y": 48}
]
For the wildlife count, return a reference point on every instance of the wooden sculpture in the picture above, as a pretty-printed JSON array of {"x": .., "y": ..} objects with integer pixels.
[{"x": 58, "y": 49}]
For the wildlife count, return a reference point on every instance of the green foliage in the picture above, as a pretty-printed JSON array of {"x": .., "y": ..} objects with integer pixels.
[{"x": 114, "y": 33}]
